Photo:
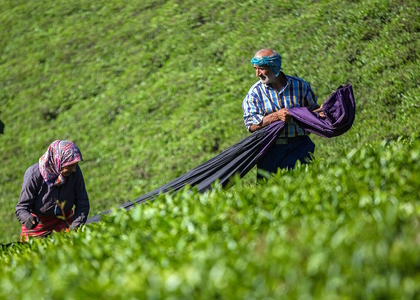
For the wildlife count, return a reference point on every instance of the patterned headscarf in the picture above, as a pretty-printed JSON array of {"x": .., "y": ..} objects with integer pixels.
[
  {"x": 272, "y": 61},
  {"x": 58, "y": 155}
]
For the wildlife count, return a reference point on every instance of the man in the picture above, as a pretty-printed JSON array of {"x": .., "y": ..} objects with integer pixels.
[{"x": 268, "y": 101}]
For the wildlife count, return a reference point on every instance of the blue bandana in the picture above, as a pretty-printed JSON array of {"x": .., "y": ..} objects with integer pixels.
[{"x": 273, "y": 62}]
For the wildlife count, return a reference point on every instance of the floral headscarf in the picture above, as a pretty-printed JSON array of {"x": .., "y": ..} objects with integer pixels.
[{"x": 59, "y": 154}]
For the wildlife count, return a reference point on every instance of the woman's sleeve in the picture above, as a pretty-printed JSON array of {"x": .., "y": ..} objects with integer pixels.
[
  {"x": 27, "y": 196},
  {"x": 81, "y": 201}
]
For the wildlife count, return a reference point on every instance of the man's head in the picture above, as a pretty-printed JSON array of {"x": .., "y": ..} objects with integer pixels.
[{"x": 267, "y": 64}]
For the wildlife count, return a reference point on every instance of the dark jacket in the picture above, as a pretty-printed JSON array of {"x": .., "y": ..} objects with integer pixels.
[{"x": 37, "y": 197}]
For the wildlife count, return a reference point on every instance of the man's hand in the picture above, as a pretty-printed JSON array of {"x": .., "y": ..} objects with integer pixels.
[
  {"x": 283, "y": 115},
  {"x": 320, "y": 112}
]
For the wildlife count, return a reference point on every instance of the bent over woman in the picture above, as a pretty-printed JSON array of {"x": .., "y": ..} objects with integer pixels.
[{"x": 50, "y": 190}]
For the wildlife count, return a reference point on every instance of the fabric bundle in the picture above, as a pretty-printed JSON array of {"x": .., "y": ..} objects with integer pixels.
[{"x": 339, "y": 110}]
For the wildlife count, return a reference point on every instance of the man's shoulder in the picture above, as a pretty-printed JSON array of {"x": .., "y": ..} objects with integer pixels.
[
  {"x": 296, "y": 79},
  {"x": 255, "y": 87}
]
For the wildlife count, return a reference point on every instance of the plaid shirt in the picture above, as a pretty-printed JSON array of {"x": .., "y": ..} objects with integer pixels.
[{"x": 262, "y": 100}]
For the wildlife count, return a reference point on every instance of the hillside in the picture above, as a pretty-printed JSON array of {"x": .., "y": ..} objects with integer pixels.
[{"x": 150, "y": 89}]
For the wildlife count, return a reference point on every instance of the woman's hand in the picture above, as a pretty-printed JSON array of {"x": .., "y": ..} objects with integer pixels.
[{"x": 31, "y": 222}]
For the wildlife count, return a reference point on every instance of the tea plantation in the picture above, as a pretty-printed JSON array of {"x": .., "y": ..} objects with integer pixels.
[{"x": 150, "y": 89}]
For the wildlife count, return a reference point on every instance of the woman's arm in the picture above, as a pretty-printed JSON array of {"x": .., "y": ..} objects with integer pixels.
[
  {"x": 28, "y": 194},
  {"x": 81, "y": 202}
]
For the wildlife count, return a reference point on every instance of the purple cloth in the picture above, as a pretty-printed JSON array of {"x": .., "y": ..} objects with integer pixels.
[{"x": 339, "y": 110}]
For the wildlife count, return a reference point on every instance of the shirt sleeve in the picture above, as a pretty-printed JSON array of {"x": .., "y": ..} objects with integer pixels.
[
  {"x": 310, "y": 99},
  {"x": 28, "y": 194},
  {"x": 253, "y": 113},
  {"x": 81, "y": 201}
]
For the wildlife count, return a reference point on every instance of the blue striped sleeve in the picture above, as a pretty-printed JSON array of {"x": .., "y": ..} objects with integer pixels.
[
  {"x": 310, "y": 98},
  {"x": 253, "y": 113}
]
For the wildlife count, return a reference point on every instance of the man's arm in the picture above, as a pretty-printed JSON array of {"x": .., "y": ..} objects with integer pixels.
[
  {"x": 310, "y": 102},
  {"x": 282, "y": 115}
]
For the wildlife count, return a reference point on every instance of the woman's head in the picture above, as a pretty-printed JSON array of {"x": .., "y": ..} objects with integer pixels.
[
  {"x": 67, "y": 170},
  {"x": 59, "y": 161}
]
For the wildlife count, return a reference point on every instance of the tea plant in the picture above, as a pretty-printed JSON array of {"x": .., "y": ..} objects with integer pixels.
[{"x": 345, "y": 228}]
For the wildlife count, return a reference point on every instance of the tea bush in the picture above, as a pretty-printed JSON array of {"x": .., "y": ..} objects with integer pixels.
[{"x": 334, "y": 229}]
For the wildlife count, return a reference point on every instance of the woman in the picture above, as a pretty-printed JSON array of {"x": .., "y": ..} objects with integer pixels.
[{"x": 50, "y": 189}]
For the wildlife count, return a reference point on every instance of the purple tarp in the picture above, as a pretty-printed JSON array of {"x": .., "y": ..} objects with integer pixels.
[{"x": 339, "y": 110}]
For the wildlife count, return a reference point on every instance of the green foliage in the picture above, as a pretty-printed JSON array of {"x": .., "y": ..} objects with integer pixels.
[
  {"x": 336, "y": 228},
  {"x": 150, "y": 89}
]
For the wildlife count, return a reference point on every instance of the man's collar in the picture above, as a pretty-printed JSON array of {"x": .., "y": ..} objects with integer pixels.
[{"x": 268, "y": 86}]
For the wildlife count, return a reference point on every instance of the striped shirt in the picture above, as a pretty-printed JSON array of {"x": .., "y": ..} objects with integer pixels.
[{"x": 262, "y": 100}]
